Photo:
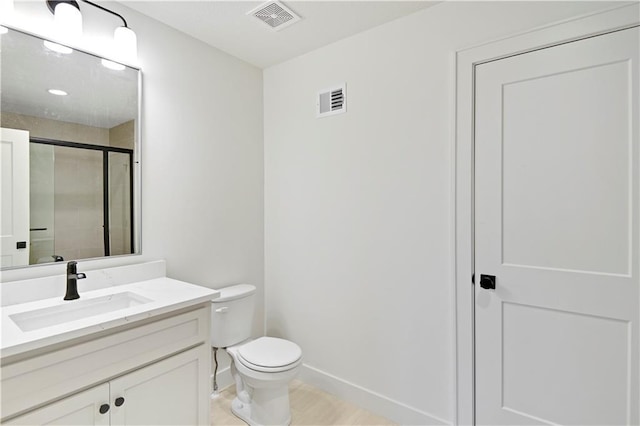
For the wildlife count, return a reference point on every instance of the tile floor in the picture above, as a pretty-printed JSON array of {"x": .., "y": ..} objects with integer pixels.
[{"x": 309, "y": 406}]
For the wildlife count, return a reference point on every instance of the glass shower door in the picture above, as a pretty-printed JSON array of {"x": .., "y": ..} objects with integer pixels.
[
  {"x": 41, "y": 201},
  {"x": 79, "y": 203},
  {"x": 120, "y": 216}
]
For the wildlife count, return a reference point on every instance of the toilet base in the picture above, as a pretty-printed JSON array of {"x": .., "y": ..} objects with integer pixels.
[
  {"x": 262, "y": 398},
  {"x": 243, "y": 412}
]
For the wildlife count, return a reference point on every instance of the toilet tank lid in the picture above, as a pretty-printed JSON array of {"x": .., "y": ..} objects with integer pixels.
[{"x": 234, "y": 292}]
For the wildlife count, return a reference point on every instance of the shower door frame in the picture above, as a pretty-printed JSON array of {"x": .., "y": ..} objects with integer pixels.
[{"x": 105, "y": 183}]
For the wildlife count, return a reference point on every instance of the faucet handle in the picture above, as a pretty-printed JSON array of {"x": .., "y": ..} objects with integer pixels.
[
  {"x": 81, "y": 275},
  {"x": 71, "y": 267}
]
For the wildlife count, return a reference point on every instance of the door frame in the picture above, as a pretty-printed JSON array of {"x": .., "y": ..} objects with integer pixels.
[{"x": 464, "y": 63}]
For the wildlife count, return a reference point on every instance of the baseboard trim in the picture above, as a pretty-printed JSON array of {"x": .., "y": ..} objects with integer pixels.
[{"x": 367, "y": 399}]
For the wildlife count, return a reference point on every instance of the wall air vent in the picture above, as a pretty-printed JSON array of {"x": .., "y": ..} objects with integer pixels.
[
  {"x": 275, "y": 14},
  {"x": 332, "y": 101}
]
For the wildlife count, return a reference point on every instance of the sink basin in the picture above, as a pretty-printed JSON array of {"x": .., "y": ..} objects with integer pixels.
[{"x": 75, "y": 310}]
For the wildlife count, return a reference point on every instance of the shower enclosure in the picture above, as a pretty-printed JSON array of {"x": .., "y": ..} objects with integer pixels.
[{"x": 81, "y": 198}]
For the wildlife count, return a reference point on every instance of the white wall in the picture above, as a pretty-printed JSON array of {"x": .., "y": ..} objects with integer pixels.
[
  {"x": 358, "y": 206},
  {"x": 202, "y": 159},
  {"x": 202, "y": 162}
]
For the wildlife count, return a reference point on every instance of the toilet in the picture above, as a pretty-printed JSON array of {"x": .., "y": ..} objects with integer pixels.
[{"x": 262, "y": 368}]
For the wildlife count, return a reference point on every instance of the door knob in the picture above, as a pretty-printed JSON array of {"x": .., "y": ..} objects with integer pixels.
[
  {"x": 119, "y": 401},
  {"x": 104, "y": 408},
  {"x": 488, "y": 282}
]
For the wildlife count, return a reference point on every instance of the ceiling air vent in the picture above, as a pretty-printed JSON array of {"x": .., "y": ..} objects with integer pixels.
[
  {"x": 275, "y": 14},
  {"x": 332, "y": 101}
]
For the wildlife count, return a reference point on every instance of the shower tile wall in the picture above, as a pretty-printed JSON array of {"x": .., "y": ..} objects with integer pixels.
[
  {"x": 78, "y": 209},
  {"x": 123, "y": 135},
  {"x": 53, "y": 129}
]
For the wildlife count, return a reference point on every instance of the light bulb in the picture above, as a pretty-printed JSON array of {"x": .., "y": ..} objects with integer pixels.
[
  {"x": 126, "y": 44},
  {"x": 68, "y": 22}
]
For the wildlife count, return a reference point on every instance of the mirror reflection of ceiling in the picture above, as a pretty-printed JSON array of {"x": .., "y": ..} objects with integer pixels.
[{"x": 97, "y": 96}]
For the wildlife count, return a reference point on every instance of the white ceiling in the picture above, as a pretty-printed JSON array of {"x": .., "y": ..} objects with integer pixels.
[{"x": 225, "y": 24}]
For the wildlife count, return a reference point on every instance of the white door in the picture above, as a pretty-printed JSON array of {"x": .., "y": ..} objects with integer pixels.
[
  {"x": 14, "y": 192},
  {"x": 168, "y": 392},
  {"x": 81, "y": 409},
  {"x": 556, "y": 222}
]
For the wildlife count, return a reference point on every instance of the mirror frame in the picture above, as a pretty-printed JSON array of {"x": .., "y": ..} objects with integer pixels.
[{"x": 135, "y": 168}]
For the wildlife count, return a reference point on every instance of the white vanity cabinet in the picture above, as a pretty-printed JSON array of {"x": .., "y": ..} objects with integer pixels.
[
  {"x": 166, "y": 392},
  {"x": 82, "y": 408},
  {"x": 152, "y": 372}
]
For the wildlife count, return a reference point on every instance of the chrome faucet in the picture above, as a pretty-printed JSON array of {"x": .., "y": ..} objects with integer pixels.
[{"x": 72, "y": 281}]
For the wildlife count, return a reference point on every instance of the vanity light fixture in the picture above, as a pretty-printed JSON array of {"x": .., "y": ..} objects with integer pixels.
[
  {"x": 125, "y": 40},
  {"x": 57, "y": 92},
  {"x": 126, "y": 43},
  {"x": 67, "y": 19}
]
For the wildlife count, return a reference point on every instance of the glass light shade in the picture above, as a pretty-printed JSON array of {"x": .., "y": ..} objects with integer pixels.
[
  {"x": 68, "y": 22},
  {"x": 126, "y": 45}
]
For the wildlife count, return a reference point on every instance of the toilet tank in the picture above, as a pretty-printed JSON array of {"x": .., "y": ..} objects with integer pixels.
[{"x": 232, "y": 315}]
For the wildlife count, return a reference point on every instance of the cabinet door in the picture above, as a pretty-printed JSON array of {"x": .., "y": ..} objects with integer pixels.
[
  {"x": 174, "y": 391},
  {"x": 80, "y": 409}
]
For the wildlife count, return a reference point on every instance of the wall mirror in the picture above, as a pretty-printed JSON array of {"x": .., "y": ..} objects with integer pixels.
[{"x": 69, "y": 154}]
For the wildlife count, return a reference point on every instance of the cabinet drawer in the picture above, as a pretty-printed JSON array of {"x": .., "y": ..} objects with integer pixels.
[{"x": 35, "y": 381}]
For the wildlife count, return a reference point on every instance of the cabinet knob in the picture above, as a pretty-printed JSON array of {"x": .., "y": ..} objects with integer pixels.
[
  {"x": 119, "y": 401},
  {"x": 104, "y": 408}
]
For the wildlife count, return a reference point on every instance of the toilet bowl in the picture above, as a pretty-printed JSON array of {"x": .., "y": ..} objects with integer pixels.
[{"x": 262, "y": 368}]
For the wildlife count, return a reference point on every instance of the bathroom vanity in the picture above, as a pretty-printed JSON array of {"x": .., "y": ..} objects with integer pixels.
[{"x": 124, "y": 353}]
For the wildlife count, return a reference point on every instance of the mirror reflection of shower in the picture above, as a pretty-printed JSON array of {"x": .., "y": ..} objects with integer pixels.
[{"x": 80, "y": 200}]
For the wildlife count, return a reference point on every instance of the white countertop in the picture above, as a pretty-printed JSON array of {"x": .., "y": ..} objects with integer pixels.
[{"x": 166, "y": 295}]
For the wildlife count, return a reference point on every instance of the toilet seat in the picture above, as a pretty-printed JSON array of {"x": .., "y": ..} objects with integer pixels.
[{"x": 269, "y": 354}]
